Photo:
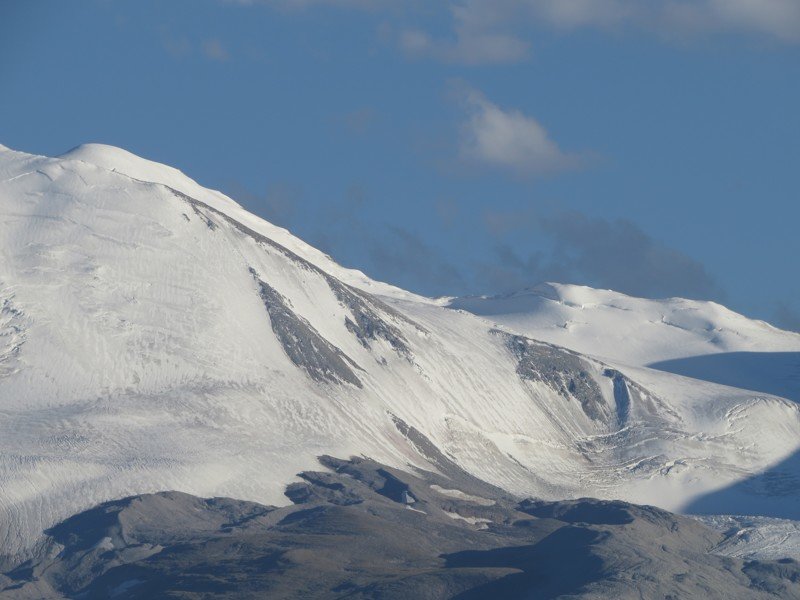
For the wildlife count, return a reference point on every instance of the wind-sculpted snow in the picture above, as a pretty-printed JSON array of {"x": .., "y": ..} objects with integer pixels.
[
  {"x": 12, "y": 333},
  {"x": 156, "y": 336},
  {"x": 303, "y": 345}
]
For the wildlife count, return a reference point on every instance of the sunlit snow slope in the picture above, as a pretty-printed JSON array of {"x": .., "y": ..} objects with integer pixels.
[
  {"x": 156, "y": 336},
  {"x": 703, "y": 340}
]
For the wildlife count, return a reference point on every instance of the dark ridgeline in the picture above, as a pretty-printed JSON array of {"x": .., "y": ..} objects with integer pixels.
[{"x": 363, "y": 530}]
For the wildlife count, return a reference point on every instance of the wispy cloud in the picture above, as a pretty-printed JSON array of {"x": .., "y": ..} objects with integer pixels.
[
  {"x": 386, "y": 251},
  {"x": 468, "y": 47},
  {"x": 482, "y": 32},
  {"x": 305, "y": 4},
  {"x": 214, "y": 50},
  {"x": 359, "y": 121},
  {"x": 404, "y": 257},
  {"x": 507, "y": 138},
  {"x": 573, "y": 248},
  {"x": 278, "y": 204},
  {"x": 473, "y": 20},
  {"x": 614, "y": 254},
  {"x": 181, "y": 46},
  {"x": 778, "y": 19},
  {"x": 787, "y": 317},
  {"x": 176, "y": 46}
]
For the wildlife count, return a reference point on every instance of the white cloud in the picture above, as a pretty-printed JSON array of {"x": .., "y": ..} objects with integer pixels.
[
  {"x": 508, "y": 139},
  {"x": 303, "y": 4},
  {"x": 570, "y": 14},
  {"x": 479, "y": 37},
  {"x": 468, "y": 48},
  {"x": 779, "y": 19}
]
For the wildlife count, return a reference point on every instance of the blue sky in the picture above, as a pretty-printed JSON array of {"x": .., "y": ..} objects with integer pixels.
[{"x": 454, "y": 147}]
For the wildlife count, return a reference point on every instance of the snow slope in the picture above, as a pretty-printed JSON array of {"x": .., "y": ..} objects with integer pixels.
[
  {"x": 155, "y": 336},
  {"x": 121, "y": 161},
  {"x": 703, "y": 340}
]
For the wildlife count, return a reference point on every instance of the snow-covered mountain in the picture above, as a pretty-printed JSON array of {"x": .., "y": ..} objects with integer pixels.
[
  {"x": 635, "y": 331},
  {"x": 704, "y": 340},
  {"x": 156, "y": 336}
]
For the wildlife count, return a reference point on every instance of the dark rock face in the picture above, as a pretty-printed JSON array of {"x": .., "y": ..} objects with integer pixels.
[
  {"x": 367, "y": 325},
  {"x": 304, "y": 346},
  {"x": 570, "y": 375},
  {"x": 565, "y": 372},
  {"x": 363, "y": 530}
]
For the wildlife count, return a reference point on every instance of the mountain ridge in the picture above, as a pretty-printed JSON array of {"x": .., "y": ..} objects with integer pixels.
[{"x": 360, "y": 529}]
